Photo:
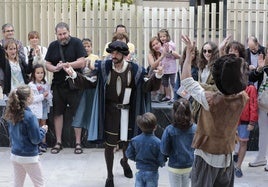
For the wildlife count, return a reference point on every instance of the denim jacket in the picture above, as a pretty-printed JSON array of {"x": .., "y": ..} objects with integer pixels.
[
  {"x": 26, "y": 135},
  {"x": 144, "y": 149},
  {"x": 176, "y": 144}
]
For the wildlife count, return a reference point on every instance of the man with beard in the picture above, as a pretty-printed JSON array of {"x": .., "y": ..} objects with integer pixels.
[
  {"x": 122, "y": 93},
  {"x": 65, "y": 50}
]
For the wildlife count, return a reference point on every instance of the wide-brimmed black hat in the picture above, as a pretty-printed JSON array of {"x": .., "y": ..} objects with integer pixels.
[
  {"x": 119, "y": 46},
  {"x": 230, "y": 74}
]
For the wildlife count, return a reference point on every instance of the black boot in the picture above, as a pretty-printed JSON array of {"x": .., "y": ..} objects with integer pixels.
[
  {"x": 109, "y": 182},
  {"x": 127, "y": 171}
]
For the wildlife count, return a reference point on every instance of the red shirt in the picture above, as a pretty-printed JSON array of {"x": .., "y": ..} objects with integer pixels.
[{"x": 250, "y": 112}]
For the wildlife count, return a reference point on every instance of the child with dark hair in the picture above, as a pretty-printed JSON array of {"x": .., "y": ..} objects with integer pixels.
[
  {"x": 25, "y": 135},
  {"x": 144, "y": 149},
  {"x": 42, "y": 99},
  {"x": 176, "y": 144},
  {"x": 169, "y": 63}
]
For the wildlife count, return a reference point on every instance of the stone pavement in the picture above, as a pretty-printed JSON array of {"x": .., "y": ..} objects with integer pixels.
[{"x": 88, "y": 170}]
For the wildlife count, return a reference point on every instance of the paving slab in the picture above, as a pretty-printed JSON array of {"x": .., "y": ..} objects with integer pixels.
[{"x": 67, "y": 169}]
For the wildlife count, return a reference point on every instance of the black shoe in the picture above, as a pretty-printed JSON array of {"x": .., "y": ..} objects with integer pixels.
[
  {"x": 127, "y": 171},
  {"x": 109, "y": 183},
  {"x": 235, "y": 157}
]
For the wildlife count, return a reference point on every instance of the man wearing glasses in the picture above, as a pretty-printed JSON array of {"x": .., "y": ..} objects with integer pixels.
[
  {"x": 8, "y": 33},
  {"x": 253, "y": 51}
]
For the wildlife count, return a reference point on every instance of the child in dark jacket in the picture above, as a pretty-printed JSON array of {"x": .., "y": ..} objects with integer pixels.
[
  {"x": 144, "y": 149},
  {"x": 176, "y": 144},
  {"x": 25, "y": 135}
]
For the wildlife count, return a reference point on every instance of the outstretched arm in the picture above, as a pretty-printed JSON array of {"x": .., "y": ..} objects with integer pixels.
[
  {"x": 79, "y": 80},
  {"x": 192, "y": 87},
  {"x": 186, "y": 69},
  {"x": 223, "y": 45}
]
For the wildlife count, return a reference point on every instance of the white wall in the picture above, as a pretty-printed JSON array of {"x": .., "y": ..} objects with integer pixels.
[{"x": 165, "y": 4}]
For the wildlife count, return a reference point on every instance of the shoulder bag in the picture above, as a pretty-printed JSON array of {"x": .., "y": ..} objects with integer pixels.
[{"x": 70, "y": 81}]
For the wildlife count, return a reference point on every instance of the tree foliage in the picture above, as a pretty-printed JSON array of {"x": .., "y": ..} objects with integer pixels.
[{"x": 125, "y": 1}]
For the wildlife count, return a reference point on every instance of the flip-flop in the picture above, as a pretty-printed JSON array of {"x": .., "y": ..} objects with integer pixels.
[
  {"x": 78, "y": 149},
  {"x": 57, "y": 148}
]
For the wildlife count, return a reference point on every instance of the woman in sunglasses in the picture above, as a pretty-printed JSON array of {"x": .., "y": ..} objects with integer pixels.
[{"x": 208, "y": 55}]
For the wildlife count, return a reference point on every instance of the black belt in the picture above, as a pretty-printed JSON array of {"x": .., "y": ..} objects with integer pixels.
[{"x": 120, "y": 106}]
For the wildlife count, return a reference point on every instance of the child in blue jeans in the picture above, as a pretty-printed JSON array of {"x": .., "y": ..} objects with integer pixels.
[
  {"x": 144, "y": 149},
  {"x": 176, "y": 144}
]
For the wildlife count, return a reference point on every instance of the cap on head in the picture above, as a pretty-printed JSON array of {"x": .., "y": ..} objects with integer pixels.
[
  {"x": 119, "y": 46},
  {"x": 230, "y": 74}
]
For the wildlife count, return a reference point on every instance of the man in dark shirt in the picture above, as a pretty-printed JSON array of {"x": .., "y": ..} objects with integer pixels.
[{"x": 65, "y": 49}]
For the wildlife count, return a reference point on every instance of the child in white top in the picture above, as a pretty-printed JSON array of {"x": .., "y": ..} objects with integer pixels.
[{"x": 42, "y": 98}]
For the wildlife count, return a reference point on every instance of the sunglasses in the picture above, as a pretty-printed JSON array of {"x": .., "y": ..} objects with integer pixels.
[{"x": 207, "y": 51}]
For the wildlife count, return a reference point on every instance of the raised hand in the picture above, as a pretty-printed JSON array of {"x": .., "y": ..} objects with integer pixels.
[
  {"x": 190, "y": 49},
  {"x": 261, "y": 60},
  {"x": 224, "y": 43},
  {"x": 190, "y": 45}
]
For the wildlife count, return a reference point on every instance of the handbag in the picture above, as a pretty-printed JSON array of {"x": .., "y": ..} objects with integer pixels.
[
  {"x": 70, "y": 82},
  {"x": 263, "y": 94}
]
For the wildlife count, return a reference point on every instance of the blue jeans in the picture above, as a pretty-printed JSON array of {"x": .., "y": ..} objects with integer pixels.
[
  {"x": 147, "y": 179},
  {"x": 176, "y": 87}
]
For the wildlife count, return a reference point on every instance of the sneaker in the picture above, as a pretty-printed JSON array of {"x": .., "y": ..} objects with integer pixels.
[
  {"x": 43, "y": 147},
  {"x": 265, "y": 168},
  {"x": 165, "y": 99},
  {"x": 160, "y": 96},
  {"x": 238, "y": 172},
  {"x": 235, "y": 157},
  {"x": 40, "y": 152},
  {"x": 257, "y": 163},
  {"x": 170, "y": 102}
]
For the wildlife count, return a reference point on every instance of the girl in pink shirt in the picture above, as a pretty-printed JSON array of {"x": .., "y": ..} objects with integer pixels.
[{"x": 168, "y": 62}]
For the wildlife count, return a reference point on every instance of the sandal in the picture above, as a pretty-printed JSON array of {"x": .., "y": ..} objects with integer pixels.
[
  {"x": 165, "y": 99},
  {"x": 78, "y": 149},
  {"x": 57, "y": 148}
]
